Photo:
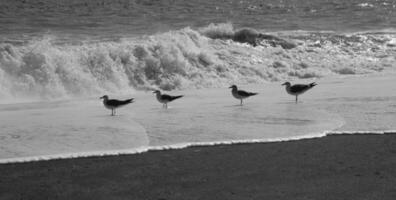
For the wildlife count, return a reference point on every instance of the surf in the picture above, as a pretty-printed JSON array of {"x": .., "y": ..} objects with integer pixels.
[{"x": 208, "y": 57}]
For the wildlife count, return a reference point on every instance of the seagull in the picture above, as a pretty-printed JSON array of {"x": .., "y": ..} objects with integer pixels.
[
  {"x": 240, "y": 94},
  {"x": 112, "y": 104},
  {"x": 164, "y": 98},
  {"x": 298, "y": 89}
]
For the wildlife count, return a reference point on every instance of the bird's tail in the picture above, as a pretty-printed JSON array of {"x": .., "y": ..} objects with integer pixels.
[
  {"x": 312, "y": 84},
  {"x": 129, "y": 101},
  {"x": 252, "y": 93},
  {"x": 176, "y": 97}
]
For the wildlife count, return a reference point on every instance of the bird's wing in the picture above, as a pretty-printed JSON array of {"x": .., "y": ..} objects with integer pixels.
[
  {"x": 166, "y": 97},
  {"x": 299, "y": 88},
  {"x": 116, "y": 102},
  {"x": 128, "y": 101},
  {"x": 176, "y": 97},
  {"x": 245, "y": 94},
  {"x": 169, "y": 97}
]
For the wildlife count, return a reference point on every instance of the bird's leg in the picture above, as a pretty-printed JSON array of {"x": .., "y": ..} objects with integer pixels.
[
  {"x": 166, "y": 105},
  {"x": 112, "y": 112},
  {"x": 296, "y": 98},
  {"x": 241, "y": 102}
]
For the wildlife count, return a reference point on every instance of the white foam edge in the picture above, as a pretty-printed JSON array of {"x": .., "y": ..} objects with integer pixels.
[{"x": 140, "y": 150}]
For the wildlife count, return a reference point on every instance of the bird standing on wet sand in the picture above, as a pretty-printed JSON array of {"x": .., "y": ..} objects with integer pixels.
[
  {"x": 165, "y": 99},
  {"x": 112, "y": 104},
  {"x": 240, "y": 94},
  {"x": 298, "y": 89}
]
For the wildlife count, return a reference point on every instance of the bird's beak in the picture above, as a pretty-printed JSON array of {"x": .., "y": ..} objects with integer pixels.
[
  {"x": 230, "y": 87},
  {"x": 154, "y": 91},
  {"x": 284, "y": 84},
  {"x": 100, "y": 97}
]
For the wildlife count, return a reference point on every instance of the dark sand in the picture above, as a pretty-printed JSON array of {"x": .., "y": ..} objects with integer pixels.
[{"x": 361, "y": 167}]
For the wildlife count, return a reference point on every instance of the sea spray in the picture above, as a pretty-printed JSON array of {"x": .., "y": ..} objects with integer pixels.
[{"x": 186, "y": 58}]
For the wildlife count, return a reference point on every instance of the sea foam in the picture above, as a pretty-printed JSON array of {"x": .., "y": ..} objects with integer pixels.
[
  {"x": 44, "y": 68},
  {"x": 121, "y": 152}
]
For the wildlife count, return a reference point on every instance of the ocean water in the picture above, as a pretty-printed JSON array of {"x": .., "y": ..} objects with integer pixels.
[
  {"x": 74, "y": 128},
  {"x": 124, "y": 18},
  {"x": 58, "y": 56}
]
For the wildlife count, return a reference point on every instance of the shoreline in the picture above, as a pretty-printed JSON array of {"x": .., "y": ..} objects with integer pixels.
[
  {"x": 356, "y": 166},
  {"x": 140, "y": 150}
]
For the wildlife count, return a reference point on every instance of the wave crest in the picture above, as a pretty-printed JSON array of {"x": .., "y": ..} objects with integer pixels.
[{"x": 187, "y": 58}]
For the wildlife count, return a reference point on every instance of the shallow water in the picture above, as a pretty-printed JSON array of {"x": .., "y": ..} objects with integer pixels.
[{"x": 74, "y": 128}]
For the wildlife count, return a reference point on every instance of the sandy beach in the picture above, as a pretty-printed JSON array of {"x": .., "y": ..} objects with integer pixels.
[{"x": 333, "y": 167}]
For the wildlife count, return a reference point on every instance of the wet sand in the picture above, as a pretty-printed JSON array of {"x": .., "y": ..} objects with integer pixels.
[{"x": 334, "y": 167}]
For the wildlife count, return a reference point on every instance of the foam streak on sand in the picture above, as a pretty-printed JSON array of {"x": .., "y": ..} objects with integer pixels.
[
  {"x": 180, "y": 146},
  {"x": 146, "y": 149}
]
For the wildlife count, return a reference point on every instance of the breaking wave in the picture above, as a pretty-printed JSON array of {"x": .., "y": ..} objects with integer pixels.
[{"x": 212, "y": 56}]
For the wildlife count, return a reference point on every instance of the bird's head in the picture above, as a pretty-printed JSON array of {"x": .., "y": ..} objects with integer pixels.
[
  {"x": 105, "y": 97},
  {"x": 286, "y": 83},
  {"x": 233, "y": 87}
]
